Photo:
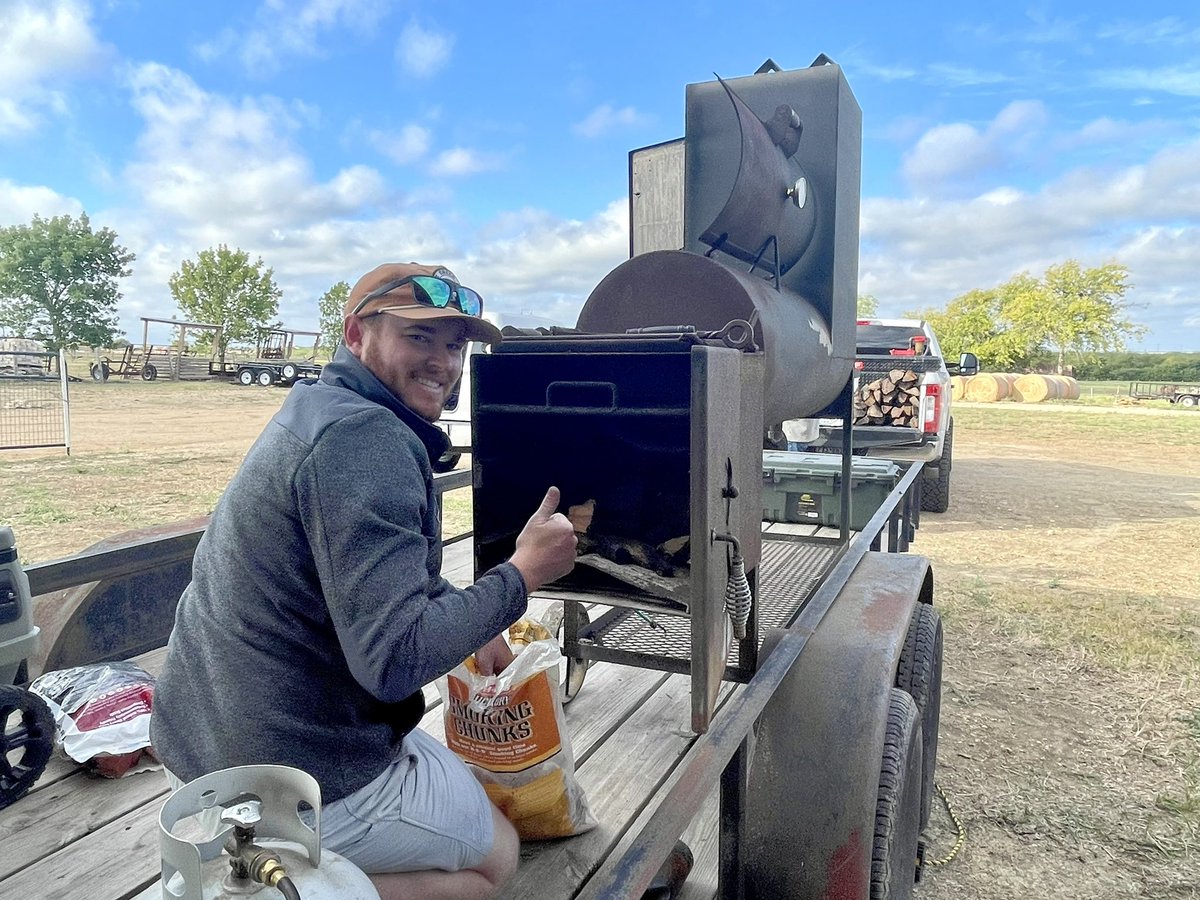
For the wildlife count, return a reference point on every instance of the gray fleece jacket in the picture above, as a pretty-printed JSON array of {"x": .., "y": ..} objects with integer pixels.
[{"x": 316, "y": 611}]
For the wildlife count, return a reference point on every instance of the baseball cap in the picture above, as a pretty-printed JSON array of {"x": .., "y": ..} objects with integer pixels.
[{"x": 420, "y": 292}]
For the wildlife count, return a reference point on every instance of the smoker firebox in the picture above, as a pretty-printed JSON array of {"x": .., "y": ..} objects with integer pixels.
[{"x": 663, "y": 433}]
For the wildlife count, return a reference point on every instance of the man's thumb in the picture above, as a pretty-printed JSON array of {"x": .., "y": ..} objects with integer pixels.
[{"x": 549, "y": 505}]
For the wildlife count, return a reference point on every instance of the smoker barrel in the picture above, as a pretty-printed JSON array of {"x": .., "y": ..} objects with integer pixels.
[{"x": 804, "y": 370}]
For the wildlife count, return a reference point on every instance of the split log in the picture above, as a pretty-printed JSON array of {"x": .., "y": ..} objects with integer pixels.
[{"x": 892, "y": 399}]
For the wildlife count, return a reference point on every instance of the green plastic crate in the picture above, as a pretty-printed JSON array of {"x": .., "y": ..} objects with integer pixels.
[{"x": 804, "y": 487}]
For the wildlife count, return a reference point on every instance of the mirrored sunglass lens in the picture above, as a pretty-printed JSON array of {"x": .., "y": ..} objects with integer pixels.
[
  {"x": 432, "y": 291},
  {"x": 470, "y": 302}
]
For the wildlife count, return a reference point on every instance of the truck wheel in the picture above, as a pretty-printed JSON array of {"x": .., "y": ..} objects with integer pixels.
[
  {"x": 920, "y": 676},
  {"x": 289, "y": 372},
  {"x": 935, "y": 489},
  {"x": 26, "y": 741},
  {"x": 1187, "y": 400},
  {"x": 265, "y": 378},
  {"x": 897, "y": 809},
  {"x": 245, "y": 376}
]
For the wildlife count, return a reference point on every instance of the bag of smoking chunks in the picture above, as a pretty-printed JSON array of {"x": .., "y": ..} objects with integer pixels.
[{"x": 510, "y": 731}]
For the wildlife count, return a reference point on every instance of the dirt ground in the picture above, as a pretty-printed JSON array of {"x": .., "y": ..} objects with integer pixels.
[{"x": 1066, "y": 576}]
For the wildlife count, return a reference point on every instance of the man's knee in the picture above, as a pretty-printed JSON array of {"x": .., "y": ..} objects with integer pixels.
[{"x": 501, "y": 863}]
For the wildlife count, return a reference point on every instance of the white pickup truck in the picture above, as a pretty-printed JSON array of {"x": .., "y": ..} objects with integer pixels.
[{"x": 883, "y": 346}]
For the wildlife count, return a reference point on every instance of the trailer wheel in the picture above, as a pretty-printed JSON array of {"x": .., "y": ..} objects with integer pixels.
[
  {"x": 289, "y": 372},
  {"x": 265, "y": 378},
  {"x": 1188, "y": 400},
  {"x": 245, "y": 376},
  {"x": 935, "y": 489},
  {"x": 897, "y": 809},
  {"x": 100, "y": 372},
  {"x": 920, "y": 676},
  {"x": 26, "y": 741},
  {"x": 149, "y": 372}
]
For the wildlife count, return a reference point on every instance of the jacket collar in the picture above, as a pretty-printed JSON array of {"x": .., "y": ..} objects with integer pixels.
[{"x": 345, "y": 370}]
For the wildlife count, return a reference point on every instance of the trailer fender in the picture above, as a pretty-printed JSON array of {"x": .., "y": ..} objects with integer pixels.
[
  {"x": 814, "y": 772},
  {"x": 113, "y": 618}
]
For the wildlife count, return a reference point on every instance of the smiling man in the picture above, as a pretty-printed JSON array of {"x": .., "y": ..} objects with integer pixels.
[{"x": 317, "y": 611}]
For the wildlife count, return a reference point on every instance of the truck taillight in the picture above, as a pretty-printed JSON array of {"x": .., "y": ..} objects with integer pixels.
[{"x": 932, "y": 408}]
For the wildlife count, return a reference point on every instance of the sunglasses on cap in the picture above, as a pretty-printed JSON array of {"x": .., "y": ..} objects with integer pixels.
[{"x": 431, "y": 291}]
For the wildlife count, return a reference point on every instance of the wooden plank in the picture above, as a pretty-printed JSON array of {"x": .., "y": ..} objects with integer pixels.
[
  {"x": 49, "y": 820},
  {"x": 115, "y": 861},
  {"x": 618, "y": 777}
]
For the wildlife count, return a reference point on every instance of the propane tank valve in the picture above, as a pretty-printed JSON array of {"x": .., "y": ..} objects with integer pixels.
[{"x": 249, "y": 862}]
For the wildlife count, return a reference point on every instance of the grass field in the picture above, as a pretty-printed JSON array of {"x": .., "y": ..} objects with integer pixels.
[{"x": 1067, "y": 573}]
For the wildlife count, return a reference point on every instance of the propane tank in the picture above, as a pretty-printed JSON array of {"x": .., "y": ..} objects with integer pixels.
[{"x": 262, "y": 846}]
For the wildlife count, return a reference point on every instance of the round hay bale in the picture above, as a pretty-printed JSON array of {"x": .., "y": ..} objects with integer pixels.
[
  {"x": 1068, "y": 387},
  {"x": 958, "y": 386},
  {"x": 987, "y": 387},
  {"x": 1034, "y": 388}
]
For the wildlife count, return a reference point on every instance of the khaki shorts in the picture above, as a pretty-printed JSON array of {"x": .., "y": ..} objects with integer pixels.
[{"x": 424, "y": 811}]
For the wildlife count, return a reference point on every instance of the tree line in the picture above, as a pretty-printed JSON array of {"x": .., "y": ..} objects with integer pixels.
[
  {"x": 1068, "y": 317},
  {"x": 60, "y": 284}
]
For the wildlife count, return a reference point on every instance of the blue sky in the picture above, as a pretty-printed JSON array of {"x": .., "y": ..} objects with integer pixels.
[{"x": 330, "y": 135}]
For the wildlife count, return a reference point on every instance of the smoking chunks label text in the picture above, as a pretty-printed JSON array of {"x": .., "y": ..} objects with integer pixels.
[{"x": 516, "y": 731}]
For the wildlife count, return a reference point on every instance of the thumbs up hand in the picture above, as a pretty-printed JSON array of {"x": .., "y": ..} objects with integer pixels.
[{"x": 546, "y": 545}]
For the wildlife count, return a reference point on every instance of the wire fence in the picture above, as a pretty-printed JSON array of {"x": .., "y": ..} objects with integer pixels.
[{"x": 35, "y": 409}]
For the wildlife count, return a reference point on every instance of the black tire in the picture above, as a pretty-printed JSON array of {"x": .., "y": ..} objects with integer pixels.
[
  {"x": 264, "y": 377},
  {"x": 149, "y": 372},
  {"x": 920, "y": 676},
  {"x": 245, "y": 376},
  {"x": 897, "y": 808},
  {"x": 1187, "y": 400},
  {"x": 100, "y": 372},
  {"x": 935, "y": 488},
  {"x": 26, "y": 741},
  {"x": 289, "y": 372}
]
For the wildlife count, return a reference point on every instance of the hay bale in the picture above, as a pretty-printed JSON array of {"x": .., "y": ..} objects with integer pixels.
[
  {"x": 1035, "y": 388},
  {"x": 987, "y": 387}
]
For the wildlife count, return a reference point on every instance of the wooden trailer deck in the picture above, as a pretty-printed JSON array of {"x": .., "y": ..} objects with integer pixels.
[{"x": 80, "y": 837}]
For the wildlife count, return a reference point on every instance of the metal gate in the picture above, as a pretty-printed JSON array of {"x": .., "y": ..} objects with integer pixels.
[{"x": 35, "y": 409}]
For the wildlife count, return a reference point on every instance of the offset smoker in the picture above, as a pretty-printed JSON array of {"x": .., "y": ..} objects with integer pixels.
[{"x": 651, "y": 413}]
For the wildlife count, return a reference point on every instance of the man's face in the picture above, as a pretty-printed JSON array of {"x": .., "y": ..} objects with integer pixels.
[{"x": 420, "y": 360}]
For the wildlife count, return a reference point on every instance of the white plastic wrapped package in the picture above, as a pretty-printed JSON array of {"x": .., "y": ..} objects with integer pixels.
[{"x": 101, "y": 713}]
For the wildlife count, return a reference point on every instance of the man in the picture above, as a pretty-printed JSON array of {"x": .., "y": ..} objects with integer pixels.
[{"x": 317, "y": 612}]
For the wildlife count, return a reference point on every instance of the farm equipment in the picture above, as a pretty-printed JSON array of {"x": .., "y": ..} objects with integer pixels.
[
  {"x": 272, "y": 363},
  {"x": 1178, "y": 394},
  {"x": 134, "y": 363}
]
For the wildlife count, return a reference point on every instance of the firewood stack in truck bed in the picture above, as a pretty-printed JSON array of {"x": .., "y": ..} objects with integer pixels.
[{"x": 894, "y": 399}]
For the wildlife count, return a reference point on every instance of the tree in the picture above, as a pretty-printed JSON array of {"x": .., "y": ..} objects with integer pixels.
[
  {"x": 59, "y": 281},
  {"x": 330, "y": 307},
  {"x": 1077, "y": 310},
  {"x": 224, "y": 288},
  {"x": 867, "y": 306}
]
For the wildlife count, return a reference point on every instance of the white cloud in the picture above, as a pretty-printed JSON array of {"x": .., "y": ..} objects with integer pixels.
[
  {"x": 923, "y": 251},
  {"x": 606, "y": 118},
  {"x": 405, "y": 146},
  {"x": 421, "y": 52},
  {"x": 1177, "y": 80},
  {"x": 281, "y": 30},
  {"x": 42, "y": 44},
  {"x": 460, "y": 161},
  {"x": 203, "y": 158},
  {"x": 961, "y": 152},
  {"x": 20, "y": 203}
]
